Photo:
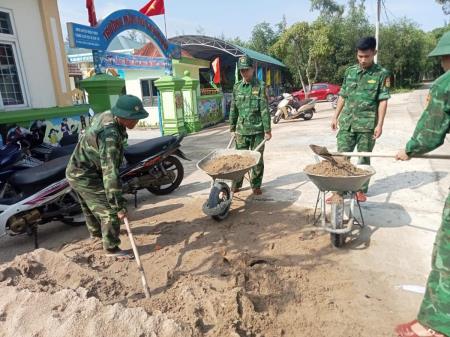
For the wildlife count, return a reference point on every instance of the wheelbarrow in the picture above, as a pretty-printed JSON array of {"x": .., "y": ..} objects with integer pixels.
[
  {"x": 343, "y": 204},
  {"x": 221, "y": 195}
]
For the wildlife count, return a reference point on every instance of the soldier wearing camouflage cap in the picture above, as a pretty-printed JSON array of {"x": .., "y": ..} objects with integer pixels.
[
  {"x": 430, "y": 132},
  {"x": 93, "y": 170},
  {"x": 250, "y": 118},
  {"x": 362, "y": 104}
]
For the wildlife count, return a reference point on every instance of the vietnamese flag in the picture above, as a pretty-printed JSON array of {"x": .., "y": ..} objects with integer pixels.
[
  {"x": 216, "y": 69},
  {"x": 154, "y": 7}
]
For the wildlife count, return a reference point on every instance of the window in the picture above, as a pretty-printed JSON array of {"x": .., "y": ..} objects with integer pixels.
[
  {"x": 11, "y": 81},
  {"x": 10, "y": 88},
  {"x": 149, "y": 93},
  {"x": 5, "y": 23}
]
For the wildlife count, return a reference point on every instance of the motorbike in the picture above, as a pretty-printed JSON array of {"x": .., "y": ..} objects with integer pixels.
[
  {"x": 273, "y": 104},
  {"x": 334, "y": 102},
  {"x": 41, "y": 194},
  {"x": 292, "y": 108}
]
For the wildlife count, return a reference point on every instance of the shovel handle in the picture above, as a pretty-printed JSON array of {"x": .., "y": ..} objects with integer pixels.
[
  {"x": 384, "y": 155},
  {"x": 233, "y": 137},
  {"x": 138, "y": 259}
]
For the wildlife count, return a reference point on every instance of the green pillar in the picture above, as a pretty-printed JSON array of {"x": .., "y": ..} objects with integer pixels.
[
  {"x": 189, "y": 90},
  {"x": 103, "y": 90},
  {"x": 171, "y": 104}
]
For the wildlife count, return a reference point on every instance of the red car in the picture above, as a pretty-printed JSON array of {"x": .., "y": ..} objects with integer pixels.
[{"x": 320, "y": 91}]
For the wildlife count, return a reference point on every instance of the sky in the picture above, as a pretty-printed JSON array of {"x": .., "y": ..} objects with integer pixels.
[{"x": 236, "y": 18}]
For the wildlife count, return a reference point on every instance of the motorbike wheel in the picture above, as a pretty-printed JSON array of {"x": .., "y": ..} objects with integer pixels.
[
  {"x": 173, "y": 165},
  {"x": 337, "y": 240},
  {"x": 309, "y": 114},
  {"x": 220, "y": 192},
  {"x": 330, "y": 97},
  {"x": 276, "y": 119}
]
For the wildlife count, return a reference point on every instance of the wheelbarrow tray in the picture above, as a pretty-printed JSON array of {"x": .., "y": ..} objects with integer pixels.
[
  {"x": 230, "y": 175},
  {"x": 342, "y": 184}
]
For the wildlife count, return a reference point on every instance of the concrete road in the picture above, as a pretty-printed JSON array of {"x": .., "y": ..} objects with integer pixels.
[{"x": 403, "y": 211}]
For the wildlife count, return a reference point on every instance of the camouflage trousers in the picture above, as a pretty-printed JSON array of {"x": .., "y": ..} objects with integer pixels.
[
  {"x": 363, "y": 141},
  {"x": 101, "y": 220},
  {"x": 435, "y": 310},
  {"x": 250, "y": 142}
]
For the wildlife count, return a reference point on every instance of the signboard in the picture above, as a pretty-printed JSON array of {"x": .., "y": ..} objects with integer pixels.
[
  {"x": 125, "y": 61},
  {"x": 100, "y": 36}
]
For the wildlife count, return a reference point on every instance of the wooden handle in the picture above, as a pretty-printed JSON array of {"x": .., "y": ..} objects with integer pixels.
[
  {"x": 138, "y": 259},
  {"x": 231, "y": 141},
  {"x": 385, "y": 155}
]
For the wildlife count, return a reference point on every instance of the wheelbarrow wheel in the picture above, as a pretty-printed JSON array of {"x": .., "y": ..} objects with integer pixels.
[
  {"x": 337, "y": 222},
  {"x": 220, "y": 193}
]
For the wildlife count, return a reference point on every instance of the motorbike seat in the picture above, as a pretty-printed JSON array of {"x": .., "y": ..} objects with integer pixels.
[
  {"x": 136, "y": 153},
  {"x": 36, "y": 178}
]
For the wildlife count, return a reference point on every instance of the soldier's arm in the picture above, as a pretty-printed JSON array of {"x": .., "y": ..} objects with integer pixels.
[
  {"x": 234, "y": 112},
  {"x": 432, "y": 126},
  {"x": 264, "y": 109},
  {"x": 110, "y": 143}
]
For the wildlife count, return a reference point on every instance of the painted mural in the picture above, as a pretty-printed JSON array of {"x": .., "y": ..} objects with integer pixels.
[{"x": 210, "y": 111}]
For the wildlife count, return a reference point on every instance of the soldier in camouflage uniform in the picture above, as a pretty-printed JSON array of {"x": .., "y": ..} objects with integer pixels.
[
  {"x": 363, "y": 103},
  {"x": 250, "y": 118},
  {"x": 93, "y": 170},
  {"x": 430, "y": 132}
]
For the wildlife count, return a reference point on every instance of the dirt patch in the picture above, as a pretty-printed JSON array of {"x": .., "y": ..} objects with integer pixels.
[
  {"x": 343, "y": 169},
  {"x": 228, "y": 163},
  {"x": 263, "y": 272}
]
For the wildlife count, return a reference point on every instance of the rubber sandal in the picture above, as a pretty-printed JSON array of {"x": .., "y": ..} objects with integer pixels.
[{"x": 405, "y": 330}]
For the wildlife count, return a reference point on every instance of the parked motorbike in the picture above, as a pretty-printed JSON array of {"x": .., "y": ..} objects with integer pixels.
[
  {"x": 41, "y": 194},
  {"x": 273, "y": 104},
  {"x": 292, "y": 108}
]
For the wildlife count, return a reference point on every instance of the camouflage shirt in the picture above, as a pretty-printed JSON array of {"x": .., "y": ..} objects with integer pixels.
[
  {"x": 434, "y": 123},
  {"x": 94, "y": 165},
  {"x": 362, "y": 91},
  {"x": 249, "y": 113}
]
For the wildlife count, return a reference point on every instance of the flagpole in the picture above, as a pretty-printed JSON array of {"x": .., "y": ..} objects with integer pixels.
[{"x": 165, "y": 25}]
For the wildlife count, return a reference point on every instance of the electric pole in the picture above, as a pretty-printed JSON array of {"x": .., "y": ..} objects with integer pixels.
[{"x": 377, "y": 27}]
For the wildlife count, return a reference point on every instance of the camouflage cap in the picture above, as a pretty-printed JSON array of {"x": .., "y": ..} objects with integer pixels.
[
  {"x": 129, "y": 107},
  {"x": 245, "y": 62},
  {"x": 443, "y": 46}
]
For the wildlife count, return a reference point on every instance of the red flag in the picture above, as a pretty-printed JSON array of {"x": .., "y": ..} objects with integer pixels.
[
  {"x": 154, "y": 7},
  {"x": 91, "y": 11},
  {"x": 216, "y": 69}
]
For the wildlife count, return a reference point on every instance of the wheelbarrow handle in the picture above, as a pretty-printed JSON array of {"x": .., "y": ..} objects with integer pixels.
[
  {"x": 233, "y": 137},
  {"x": 385, "y": 155},
  {"x": 260, "y": 145}
]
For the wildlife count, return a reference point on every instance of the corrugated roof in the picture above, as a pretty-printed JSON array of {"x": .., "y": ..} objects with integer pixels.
[{"x": 260, "y": 56}]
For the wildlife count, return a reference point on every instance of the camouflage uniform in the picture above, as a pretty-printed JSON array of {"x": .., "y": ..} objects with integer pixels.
[
  {"x": 250, "y": 119},
  {"x": 362, "y": 91},
  {"x": 429, "y": 134},
  {"x": 93, "y": 173}
]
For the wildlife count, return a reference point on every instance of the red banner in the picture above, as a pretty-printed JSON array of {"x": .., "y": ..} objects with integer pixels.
[{"x": 91, "y": 11}]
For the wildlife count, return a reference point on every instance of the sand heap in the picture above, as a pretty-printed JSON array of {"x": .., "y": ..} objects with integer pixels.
[
  {"x": 228, "y": 163},
  {"x": 344, "y": 168}
]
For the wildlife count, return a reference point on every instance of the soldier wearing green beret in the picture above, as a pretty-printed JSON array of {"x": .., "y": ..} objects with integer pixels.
[
  {"x": 430, "y": 132},
  {"x": 93, "y": 170},
  {"x": 362, "y": 105},
  {"x": 250, "y": 118}
]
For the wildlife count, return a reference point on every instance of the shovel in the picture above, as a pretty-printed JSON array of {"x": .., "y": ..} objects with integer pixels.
[
  {"x": 323, "y": 152},
  {"x": 138, "y": 259}
]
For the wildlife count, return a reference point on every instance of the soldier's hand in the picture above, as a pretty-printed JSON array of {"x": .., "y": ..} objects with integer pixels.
[
  {"x": 401, "y": 155},
  {"x": 377, "y": 132},
  {"x": 268, "y": 135},
  {"x": 121, "y": 215},
  {"x": 334, "y": 124}
]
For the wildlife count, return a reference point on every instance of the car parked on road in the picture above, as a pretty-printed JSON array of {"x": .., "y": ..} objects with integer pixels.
[{"x": 320, "y": 91}]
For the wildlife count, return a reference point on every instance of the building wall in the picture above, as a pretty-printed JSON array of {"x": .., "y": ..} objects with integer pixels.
[{"x": 133, "y": 85}]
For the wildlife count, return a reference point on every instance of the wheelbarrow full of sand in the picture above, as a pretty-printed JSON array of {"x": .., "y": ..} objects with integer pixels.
[
  {"x": 226, "y": 167},
  {"x": 341, "y": 219}
]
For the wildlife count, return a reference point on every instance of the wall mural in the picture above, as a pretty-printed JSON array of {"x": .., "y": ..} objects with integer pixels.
[{"x": 210, "y": 111}]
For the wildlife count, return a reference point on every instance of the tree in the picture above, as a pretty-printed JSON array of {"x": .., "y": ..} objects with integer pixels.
[
  {"x": 445, "y": 5},
  {"x": 302, "y": 46},
  {"x": 264, "y": 36},
  {"x": 327, "y": 8}
]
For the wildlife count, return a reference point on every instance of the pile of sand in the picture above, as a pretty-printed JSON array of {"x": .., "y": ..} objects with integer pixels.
[
  {"x": 344, "y": 168},
  {"x": 228, "y": 163}
]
